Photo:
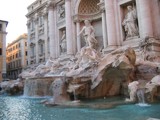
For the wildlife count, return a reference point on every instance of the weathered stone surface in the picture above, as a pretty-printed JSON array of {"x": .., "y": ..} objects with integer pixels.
[
  {"x": 38, "y": 87},
  {"x": 60, "y": 91},
  {"x": 143, "y": 90},
  {"x": 14, "y": 87},
  {"x": 146, "y": 70}
]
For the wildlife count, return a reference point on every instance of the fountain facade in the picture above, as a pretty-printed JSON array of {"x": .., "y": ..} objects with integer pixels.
[{"x": 93, "y": 63}]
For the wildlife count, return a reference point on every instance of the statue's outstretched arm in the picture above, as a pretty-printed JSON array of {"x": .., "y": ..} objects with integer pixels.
[{"x": 81, "y": 31}]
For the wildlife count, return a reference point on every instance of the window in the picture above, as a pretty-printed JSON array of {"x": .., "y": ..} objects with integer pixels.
[
  {"x": 11, "y": 65},
  {"x": 19, "y": 45},
  {"x": 26, "y": 53},
  {"x": 20, "y": 64},
  {"x": 16, "y": 55},
  {"x": 19, "y": 53},
  {"x": 32, "y": 26},
  {"x": 32, "y": 49},
  {"x": 0, "y": 51},
  {"x": 0, "y": 27},
  {"x": 40, "y": 20},
  {"x": 25, "y": 43},
  {"x": 41, "y": 49}
]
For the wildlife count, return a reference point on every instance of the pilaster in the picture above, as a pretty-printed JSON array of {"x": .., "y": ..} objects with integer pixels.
[
  {"x": 145, "y": 18},
  {"x": 52, "y": 31},
  {"x": 111, "y": 25},
  {"x": 104, "y": 27},
  {"x": 69, "y": 38}
]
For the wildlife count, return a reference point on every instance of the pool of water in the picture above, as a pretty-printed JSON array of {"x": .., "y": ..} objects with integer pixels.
[{"x": 19, "y": 108}]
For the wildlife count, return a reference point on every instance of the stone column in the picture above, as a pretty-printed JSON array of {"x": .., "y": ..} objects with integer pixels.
[
  {"x": 36, "y": 38},
  {"x": 51, "y": 23},
  {"x": 28, "y": 43},
  {"x": 104, "y": 28},
  {"x": 105, "y": 42},
  {"x": 78, "y": 37},
  {"x": 111, "y": 25},
  {"x": 145, "y": 18},
  {"x": 45, "y": 15},
  {"x": 69, "y": 37},
  {"x": 23, "y": 52}
]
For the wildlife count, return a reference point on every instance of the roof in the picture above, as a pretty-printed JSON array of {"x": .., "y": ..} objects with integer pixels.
[{"x": 4, "y": 21}]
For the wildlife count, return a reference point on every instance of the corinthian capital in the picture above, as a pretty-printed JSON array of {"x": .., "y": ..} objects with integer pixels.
[
  {"x": 36, "y": 18},
  {"x": 45, "y": 12},
  {"x": 50, "y": 4}
]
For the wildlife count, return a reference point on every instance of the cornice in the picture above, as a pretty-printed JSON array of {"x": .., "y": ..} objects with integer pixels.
[
  {"x": 80, "y": 17},
  {"x": 28, "y": 15}
]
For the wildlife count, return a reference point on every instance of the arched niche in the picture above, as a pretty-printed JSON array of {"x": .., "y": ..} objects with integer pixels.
[{"x": 89, "y": 10}]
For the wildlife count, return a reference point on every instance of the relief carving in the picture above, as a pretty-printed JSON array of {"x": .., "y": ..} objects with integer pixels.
[{"x": 61, "y": 12}]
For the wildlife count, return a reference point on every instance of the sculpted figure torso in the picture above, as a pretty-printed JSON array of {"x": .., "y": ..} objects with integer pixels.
[
  {"x": 63, "y": 44},
  {"x": 89, "y": 34},
  {"x": 129, "y": 23}
]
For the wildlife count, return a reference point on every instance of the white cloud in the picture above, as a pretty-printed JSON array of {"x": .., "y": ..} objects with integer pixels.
[{"x": 14, "y": 12}]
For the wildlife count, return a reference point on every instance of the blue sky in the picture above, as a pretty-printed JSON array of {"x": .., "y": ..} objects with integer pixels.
[{"x": 14, "y": 12}]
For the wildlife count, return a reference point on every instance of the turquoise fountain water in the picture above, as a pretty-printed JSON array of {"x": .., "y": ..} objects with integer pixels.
[{"x": 19, "y": 108}]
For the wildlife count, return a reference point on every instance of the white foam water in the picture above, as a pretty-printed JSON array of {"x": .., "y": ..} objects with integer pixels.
[
  {"x": 153, "y": 119},
  {"x": 143, "y": 104}
]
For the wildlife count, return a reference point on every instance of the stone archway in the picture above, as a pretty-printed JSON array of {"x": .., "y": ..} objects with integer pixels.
[{"x": 87, "y": 9}]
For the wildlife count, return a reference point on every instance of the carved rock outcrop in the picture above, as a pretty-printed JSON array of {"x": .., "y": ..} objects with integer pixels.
[{"x": 14, "y": 87}]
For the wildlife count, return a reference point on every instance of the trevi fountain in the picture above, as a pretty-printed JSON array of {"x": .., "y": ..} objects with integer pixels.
[{"x": 102, "y": 80}]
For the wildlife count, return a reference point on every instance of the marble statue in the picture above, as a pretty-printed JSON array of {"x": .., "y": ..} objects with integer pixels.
[
  {"x": 129, "y": 23},
  {"x": 40, "y": 69},
  {"x": 63, "y": 42},
  {"x": 88, "y": 55},
  {"x": 143, "y": 47},
  {"x": 86, "y": 59},
  {"x": 59, "y": 91},
  {"x": 133, "y": 87},
  {"x": 151, "y": 87},
  {"x": 46, "y": 66},
  {"x": 137, "y": 88},
  {"x": 89, "y": 34}
]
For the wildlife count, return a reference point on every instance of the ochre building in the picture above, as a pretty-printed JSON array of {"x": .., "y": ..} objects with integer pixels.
[{"x": 16, "y": 57}]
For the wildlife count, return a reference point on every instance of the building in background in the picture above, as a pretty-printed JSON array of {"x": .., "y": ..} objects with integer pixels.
[
  {"x": 3, "y": 33},
  {"x": 38, "y": 39},
  {"x": 116, "y": 22},
  {"x": 16, "y": 57}
]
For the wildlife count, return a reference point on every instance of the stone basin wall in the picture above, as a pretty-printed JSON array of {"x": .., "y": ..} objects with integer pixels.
[{"x": 38, "y": 86}]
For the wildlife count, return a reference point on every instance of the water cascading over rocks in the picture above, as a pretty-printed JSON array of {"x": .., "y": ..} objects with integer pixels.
[{"x": 87, "y": 76}]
